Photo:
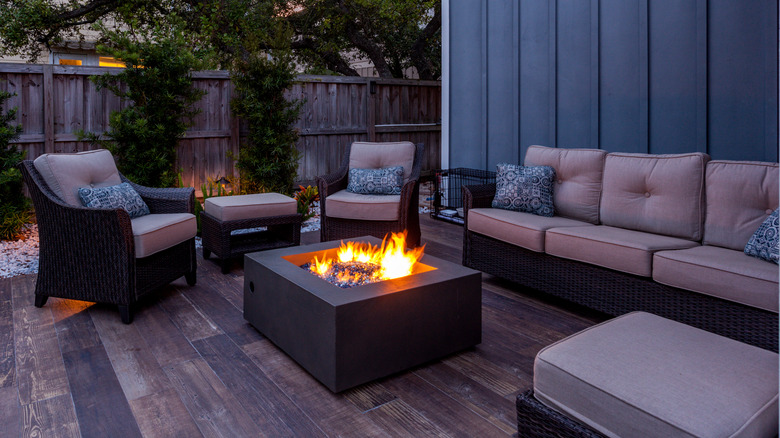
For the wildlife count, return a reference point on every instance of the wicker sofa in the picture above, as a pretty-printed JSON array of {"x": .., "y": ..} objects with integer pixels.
[{"x": 657, "y": 233}]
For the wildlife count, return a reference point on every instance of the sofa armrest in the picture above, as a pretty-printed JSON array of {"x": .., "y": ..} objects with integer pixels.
[{"x": 166, "y": 200}]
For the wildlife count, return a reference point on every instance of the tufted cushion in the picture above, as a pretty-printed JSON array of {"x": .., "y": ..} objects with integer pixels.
[
  {"x": 386, "y": 181},
  {"x": 763, "y": 243},
  {"x": 66, "y": 173},
  {"x": 365, "y": 155},
  {"x": 578, "y": 177},
  {"x": 119, "y": 196},
  {"x": 662, "y": 194},
  {"x": 526, "y": 189},
  {"x": 740, "y": 195}
]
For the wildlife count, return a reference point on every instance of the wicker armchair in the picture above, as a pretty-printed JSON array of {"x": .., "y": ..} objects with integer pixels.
[
  {"x": 90, "y": 254},
  {"x": 335, "y": 226}
]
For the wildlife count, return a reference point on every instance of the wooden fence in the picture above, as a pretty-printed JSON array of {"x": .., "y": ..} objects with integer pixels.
[{"x": 56, "y": 101}]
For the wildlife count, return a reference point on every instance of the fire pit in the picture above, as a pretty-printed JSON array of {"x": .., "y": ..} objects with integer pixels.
[{"x": 346, "y": 337}]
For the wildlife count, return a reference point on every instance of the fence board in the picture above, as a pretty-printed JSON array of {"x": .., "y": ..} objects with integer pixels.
[{"x": 55, "y": 101}]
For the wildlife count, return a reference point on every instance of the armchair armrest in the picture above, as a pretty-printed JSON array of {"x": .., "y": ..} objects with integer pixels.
[
  {"x": 331, "y": 183},
  {"x": 166, "y": 200},
  {"x": 478, "y": 196}
]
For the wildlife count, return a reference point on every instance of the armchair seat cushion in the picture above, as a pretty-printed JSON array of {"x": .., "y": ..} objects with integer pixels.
[
  {"x": 348, "y": 205},
  {"x": 155, "y": 232},
  {"x": 721, "y": 272},
  {"x": 525, "y": 230},
  {"x": 610, "y": 247}
]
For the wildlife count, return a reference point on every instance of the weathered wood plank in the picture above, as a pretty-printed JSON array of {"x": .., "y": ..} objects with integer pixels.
[
  {"x": 100, "y": 404},
  {"x": 193, "y": 323},
  {"x": 7, "y": 357},
  {"x": 272, "y": 410},
  {"x": 165, "y": 340},
  {"x": 208, "y": 300},
  {"x": 400, "y": 419},
  {"x": 163, "y": 415},
  {"x": 10, "y": 412},
  {"x": 210, "y": 403},
  {"x": 54, "y": 417},
  {"x": 75, "y": 329}
]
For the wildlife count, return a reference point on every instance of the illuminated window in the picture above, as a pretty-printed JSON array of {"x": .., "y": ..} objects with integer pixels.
[
  {"x": 70, "y": 61},
  {"x": 107, "y": 61}
]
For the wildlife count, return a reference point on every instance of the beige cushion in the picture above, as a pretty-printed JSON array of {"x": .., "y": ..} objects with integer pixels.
[
  {"x": 614, "y": 248},
  {"x": 66, "y": 173},
  {"x": 641, "y": 375},
  {"x": 740, "y": 195},
  {"x": 578, "y": 174},
  {"x": 232, "y": 208},
  {"x": 348, "y": 205},
  {"x": 365, "y": 155},
  {"x": 522, "y": 229},
  {"x": 720, "y": 272},
  {"x": 661, "y": 194},
  {"x": 155, "y": 232}
]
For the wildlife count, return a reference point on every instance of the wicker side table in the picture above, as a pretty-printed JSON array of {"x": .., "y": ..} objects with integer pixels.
[{"x": 274, "y": 212}]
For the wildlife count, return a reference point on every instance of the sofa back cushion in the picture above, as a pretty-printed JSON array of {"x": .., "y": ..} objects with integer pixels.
[
  {"x": 740, "y": 195},
  {"x": 661, "y": 194},
  {"x": 66, "y": 173},
  {"x": 366, "y": 155},
  {"x": 579, "y": 172}
]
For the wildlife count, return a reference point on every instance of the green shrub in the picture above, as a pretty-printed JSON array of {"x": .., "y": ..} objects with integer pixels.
[
  {"x": 14, "y": 206},
  {"x": 306, "y": 197},
  {"x": 157, "y": 81},
  {"x": 268, "y": 161}
]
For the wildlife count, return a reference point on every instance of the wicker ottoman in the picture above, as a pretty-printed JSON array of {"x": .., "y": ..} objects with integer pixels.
[
  {"x": 640, "y": 375},
  {"x": 276, "y": 213}
]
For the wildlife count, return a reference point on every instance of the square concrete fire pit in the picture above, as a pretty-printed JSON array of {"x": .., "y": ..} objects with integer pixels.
[{"x": 347, "y": 337}]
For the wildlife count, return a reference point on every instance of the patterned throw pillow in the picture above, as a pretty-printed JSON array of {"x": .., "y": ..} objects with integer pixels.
[
  {"x": 385, "y": 181},
  {"x": 763, "y": 243},
  {"x": 527, "y": 189},
  {"x": 118, "y": 196}
]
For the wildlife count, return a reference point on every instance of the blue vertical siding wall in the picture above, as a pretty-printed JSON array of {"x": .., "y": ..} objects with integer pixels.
[{"x": 650, "y": 76}]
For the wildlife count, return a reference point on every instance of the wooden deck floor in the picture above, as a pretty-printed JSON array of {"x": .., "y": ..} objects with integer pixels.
[{"x": 189, "y": 366}]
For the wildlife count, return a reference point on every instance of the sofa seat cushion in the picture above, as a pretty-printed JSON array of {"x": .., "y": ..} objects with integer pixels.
[
  {"x": 522, "y": 229},
  {"x": 609, "y": 247},
  {"x": 348, "y": 205},
  {"x": 233, "y": 208},
  {"x": 640, "y": 375},
  {"x": 155, "y": 232},
  {"x": 578, "y": 175},
  {"x": 720, "y": 272},
  {"x": 661, "y": 194},
  {"x": 368, "y": 155},
  {"x": 66, "y": 173}
]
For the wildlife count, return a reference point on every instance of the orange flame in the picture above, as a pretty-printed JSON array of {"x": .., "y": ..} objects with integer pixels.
[{"x": 394, "y": 259}]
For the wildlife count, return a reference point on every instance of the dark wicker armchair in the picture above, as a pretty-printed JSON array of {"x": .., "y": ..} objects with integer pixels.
[
  {"x": 341, "y": 225},
  {"x": 90, "y": 254}
]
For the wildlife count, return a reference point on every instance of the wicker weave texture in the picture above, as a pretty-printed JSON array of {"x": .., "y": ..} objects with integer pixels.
[
  {"x": 612, "y": 292},
  {"x": 89, "y": 254},
  {"x": 337, "y": 228},
  {"x": 535, "y": 420},
  {"x": 282, "y": 231}
]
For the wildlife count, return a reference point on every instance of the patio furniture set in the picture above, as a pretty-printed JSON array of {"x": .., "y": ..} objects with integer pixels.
[{"x": 655, "y": 240}]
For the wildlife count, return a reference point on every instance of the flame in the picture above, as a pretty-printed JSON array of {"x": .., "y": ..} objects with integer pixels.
[{"x": 392, "y": 257}]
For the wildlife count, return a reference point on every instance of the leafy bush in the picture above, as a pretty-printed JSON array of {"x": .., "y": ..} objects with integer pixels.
[
  {"x": 268, "y": 161},
  {"x": 157, "y": 81},
  {"x": 14, "y": 206},
  {"x": 306, "y": 197}
]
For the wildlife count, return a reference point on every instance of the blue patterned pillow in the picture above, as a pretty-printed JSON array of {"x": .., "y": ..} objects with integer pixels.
[
  {"x": 118, "y": 196},
  {"x": 527, "y": 189},
  {"x": 385, "y": 181},
  {"x": 763, "y": 243}
]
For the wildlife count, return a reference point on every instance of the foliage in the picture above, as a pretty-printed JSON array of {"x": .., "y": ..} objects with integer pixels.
[
  {"x": 306, "y": 197},
  {"x": 267, "y": 162},
  {"x": 143, "y": 136},
  {"x": 324, "y": 34},
  {"x": 14, "y": 206}
]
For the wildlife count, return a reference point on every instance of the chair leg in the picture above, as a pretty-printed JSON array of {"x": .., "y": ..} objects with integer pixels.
[
  {"x": 206, "y": 254},
  {"x": 126, "y": 314},
  {"x": 191, "y": 278},
  {"x": 225, "y": 263},
  {"x": 40, "y": 300}
]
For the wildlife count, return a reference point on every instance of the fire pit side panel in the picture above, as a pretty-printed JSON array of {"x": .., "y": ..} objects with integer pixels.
[{"x": 294, "y": 319}]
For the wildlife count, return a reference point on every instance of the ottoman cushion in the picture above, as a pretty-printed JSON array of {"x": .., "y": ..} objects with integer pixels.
[
  {"x": 643, "y": 375},
  {"x": 233, "y": 208}
]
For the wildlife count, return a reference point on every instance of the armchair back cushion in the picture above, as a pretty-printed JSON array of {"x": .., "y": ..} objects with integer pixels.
[
  {"x": 366, "y": 155},
  {"x": 66, "y": 173},
  {"x": 740, "y": 196},
  {"x": 579, "y": 173},
  {"x": 661, "y": 194}
]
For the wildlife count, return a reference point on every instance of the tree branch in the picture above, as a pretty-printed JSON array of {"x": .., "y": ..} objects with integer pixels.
[
  {"x": 420, "y": 59},
  {"x": 333, "y": 61}
]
